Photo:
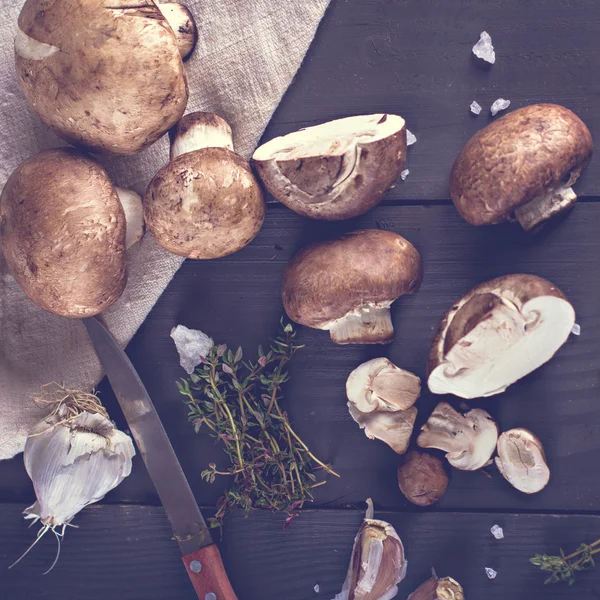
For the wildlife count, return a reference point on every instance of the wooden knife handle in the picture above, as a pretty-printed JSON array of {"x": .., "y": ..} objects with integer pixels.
[{"x": 207, "y": 573}]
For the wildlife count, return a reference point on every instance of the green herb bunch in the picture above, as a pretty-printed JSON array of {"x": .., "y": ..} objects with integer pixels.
[
  {"x": 563, "y": 567},
  {"x": 239, "y": 402}
]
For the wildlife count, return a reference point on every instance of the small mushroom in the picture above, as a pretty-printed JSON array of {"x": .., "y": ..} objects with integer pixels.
[
  {"x": 422, "y": 478},
  {"x": 521, "y": 167},
  {"x": 335, "y": 170},
  {"x": 183, "y": 25},
  {"x": 107, "y": 76},
  {"x": 439, "y": 589},
  {"x": 346, "y": 286},
  {"x": 63, "y": 229},
  {"x": 205, "y": 203},
  {"x": 522, "y": 461},
  {"x": 499, "y": 332},
  {"x": 469, "y": 440}
]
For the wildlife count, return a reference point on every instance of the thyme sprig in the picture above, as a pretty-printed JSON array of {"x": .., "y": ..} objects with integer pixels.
[
  {"x": 563, "y": 567},
  {"x": 239, "y": 403}
]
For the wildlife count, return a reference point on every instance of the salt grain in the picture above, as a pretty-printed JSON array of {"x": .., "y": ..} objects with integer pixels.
[
  {"x": 497, "y": 532},
  {"x": 576, "y": 329},
  {"x": 475, "y": 107},
  {"x": 484, "y": 49},
  {"x": 192, "y": 345},
  {"x": 404, "y": 174},
  {"x": 500, "y": 104},
  {"x": 490, "y": 573},
  {"x": 411, "y": 138},
  {"x": 317, "y": 588}
]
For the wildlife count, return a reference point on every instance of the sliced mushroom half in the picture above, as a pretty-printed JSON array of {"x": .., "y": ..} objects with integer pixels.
[
  {"x": 499, "y": 332},
  {"x": 522, "y": 461},
  {"x": 469, "y": 440},
  {"x": 439, "y": 589},
  {"x": 336, "y": 170}
]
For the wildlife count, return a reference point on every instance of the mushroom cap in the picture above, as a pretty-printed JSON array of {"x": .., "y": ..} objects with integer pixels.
[
  {"x": 516, "y": 159},
  {"x": 469, "y": 440},
  {"x": 496, "y": 334},
  {"x": 63, "y": 233},
  {"x": 115, "y": 82},
  {"x": 422, "y": 478},
  {"x": 522, "y": 461},
  {"x": 204, "y": 204},
  {"x": 379, "y": 384},
  {"x": 327, "y": 280},
  {"x": 336, "y": 170}
]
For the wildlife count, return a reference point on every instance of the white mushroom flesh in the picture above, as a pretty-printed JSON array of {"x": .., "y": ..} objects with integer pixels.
[
  {"x": 504, "y": 347},
  {"x": 379, "y": 385},
  {"x": 469, "y": 440},
  {"x": 544, "y": 207},
  {"x": 30, "y": 49},
  {"x": 522, "y": 461},
  {"x": 134, "y": 215},
  {"x": 374, "y": 318}
]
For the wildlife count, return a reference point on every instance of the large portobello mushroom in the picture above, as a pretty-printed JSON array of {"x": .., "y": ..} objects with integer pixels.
[
  {"x": 62, "y": 229},
  {"x": 105, "y": 75},
  {"x": 346, "y": 286},
  {"x": 496, "y": 334},
  {"x": 521, "y": 167}
]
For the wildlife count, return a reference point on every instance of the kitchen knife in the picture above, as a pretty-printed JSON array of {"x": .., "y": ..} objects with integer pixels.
[{"x": 201, "y": 557}]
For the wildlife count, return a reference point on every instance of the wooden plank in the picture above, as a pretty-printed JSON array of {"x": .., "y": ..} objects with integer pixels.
[
  {"x": 414, "y": 58},
  {"x": 125, "y": 552},
  {"x": 237, "y": 301}
]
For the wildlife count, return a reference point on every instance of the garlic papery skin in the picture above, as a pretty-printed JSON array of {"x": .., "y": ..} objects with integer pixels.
[
  {"x": 74, "y": 462},
  {"x": 378, "y": 563}
]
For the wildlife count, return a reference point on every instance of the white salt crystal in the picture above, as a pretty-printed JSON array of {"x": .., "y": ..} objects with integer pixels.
[
  {"x": 404, "y": 174},
  {"x": 500, "y": 104},
  {"x": 317, "y": 588},
  {"x": 411, "y": 138},
  {"x": 483, "y": 48},
  {"x": 192, "y": 345},
  {"x": 497, "y": 532},
  {"x": 576, "y": 329},
  {"x": 490, "y": 573},
  {"x": 475, "y": 107}
]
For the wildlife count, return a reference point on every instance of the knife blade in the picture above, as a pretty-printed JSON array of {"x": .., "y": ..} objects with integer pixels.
[{"x": 200, "y": 556}]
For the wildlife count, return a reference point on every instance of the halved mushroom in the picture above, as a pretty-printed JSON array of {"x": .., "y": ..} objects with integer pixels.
[
  {"x": 499, "y": 332},
  {"x": 336, "y": 170},
  {"x": 104, "y": 74},
  {"x": 521, "y": 167},
  {"x": 469, "y": 440},
  {"x": 522, "y": 461},
  {"x": 346, "y": 286},
  {"x": 62, "y": 229},
  {"x": 205, "y": 203},
  {"x": 422, "y": 478},
  {"x": 439, "y": 589}
]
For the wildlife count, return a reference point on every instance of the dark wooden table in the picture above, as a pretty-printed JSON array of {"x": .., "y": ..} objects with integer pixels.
[{"x": 411, "y": 57}]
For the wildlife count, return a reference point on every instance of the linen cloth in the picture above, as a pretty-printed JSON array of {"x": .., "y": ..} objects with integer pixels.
[{"x": 247, "y": 55}]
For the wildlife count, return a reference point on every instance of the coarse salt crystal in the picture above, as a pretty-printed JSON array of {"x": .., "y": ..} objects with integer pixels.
[
  {"x": 576, "y": 329},
  {"x": 490, "y": 573},
  {"x": 404, "y": 174},
  {"x": 500, "y": 104},
  {"x": 317, "y": 588},
  {"x": 497, "y": 532},
  {"x": 192, "y": 345},
  {"x": 484, "y": 49},
  {"x": 411, "y": 138},
  {"x": 475, "y": 107}
]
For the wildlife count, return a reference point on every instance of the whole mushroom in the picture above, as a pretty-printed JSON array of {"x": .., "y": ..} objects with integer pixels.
[
  {"x": 496, "y": 334},
  {"x": 107, "y": 76},
  {"x": 422, "y": 478},
  {"x": 346, "y": 286},
  {"x": 521, "y": 167},
  {"x": 336, "y": 170},
  {"x": 205, "y": 203},
  {"x": 63, "y": 233}
]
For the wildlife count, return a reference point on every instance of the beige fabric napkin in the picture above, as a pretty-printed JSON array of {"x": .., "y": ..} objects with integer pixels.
[{"x": 247, "y": 55}]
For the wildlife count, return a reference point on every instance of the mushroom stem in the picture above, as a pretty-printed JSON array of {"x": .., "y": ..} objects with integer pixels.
[
  {"x": 200, "y": 130},
  {"x": 134, "y": 215},
  {"x": 183, "y": 25},
  {"x": 368, "y": 324},
  {"x": 544, "y": 207}
]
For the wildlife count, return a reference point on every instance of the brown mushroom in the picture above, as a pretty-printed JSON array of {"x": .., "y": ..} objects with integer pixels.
[
  {"x": 439, "y": 589},
  {"x": 346, "y": 286},
  {"x": 522, "y": 461},
  {"x": 104, "y": 75},
  {"x": 205, "y": 203},
  {"x": 496, "y": 334},
  {"x": 183, "y": 25},
  {"x": 63, "y": 231},
  {"x": 521, "y": 167},
  {"x": 422, "y": 478},
  {"x": 336, "y": 170}
]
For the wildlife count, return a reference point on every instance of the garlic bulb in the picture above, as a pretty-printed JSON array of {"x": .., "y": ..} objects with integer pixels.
[
  {"x": 74, "y": 456},
  {"x": 378, "y": 563}
]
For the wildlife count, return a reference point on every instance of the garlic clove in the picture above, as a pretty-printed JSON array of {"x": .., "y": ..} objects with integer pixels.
[
  {"x": 378, "y": 563},
  {"x": 439, "y": 589}
]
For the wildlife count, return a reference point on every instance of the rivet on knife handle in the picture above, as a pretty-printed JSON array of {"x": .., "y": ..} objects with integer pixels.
[{"x": 207, "y": 574}]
